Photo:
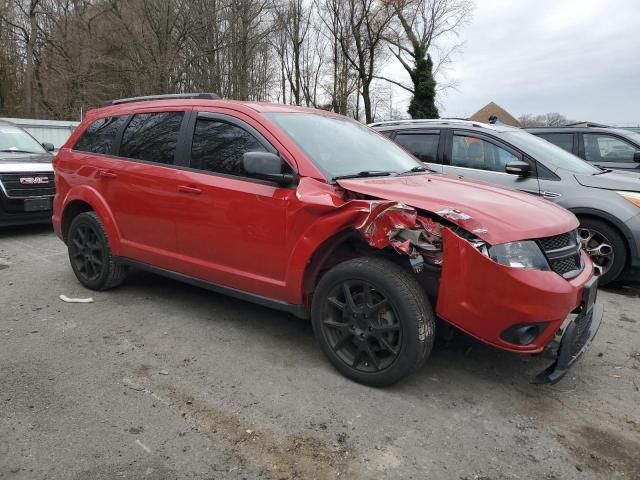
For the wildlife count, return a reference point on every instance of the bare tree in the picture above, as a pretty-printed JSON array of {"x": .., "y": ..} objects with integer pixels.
[{"x": 551, "y": 119}]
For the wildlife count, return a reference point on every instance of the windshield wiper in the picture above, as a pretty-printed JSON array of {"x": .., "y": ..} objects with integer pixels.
[
  {"x": 418, "y": 168},
  {"x": 15, "y": 150},
  {"x": 603, "y": 170},
  {"x": 363, "y": 174}
]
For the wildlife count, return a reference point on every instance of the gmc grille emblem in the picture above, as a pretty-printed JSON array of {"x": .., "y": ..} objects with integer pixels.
[{"x": 34, "y": 180}]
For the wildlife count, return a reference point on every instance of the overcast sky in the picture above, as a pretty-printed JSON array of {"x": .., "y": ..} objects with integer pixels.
[{"x": 580, "y": 58}]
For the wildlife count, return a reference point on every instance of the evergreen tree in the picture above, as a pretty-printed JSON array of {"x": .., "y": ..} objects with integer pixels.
[{"x": 424, "y": 87}]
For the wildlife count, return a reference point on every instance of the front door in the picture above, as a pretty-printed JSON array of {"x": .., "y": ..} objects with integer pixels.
[
  {"x": 233, "y": 229},
  {"x": 609, "y": 151},
  {"x": 482, "y": 157}
]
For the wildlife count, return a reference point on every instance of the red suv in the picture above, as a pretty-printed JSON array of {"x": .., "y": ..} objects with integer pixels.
[{"x": 315, "y": 214}]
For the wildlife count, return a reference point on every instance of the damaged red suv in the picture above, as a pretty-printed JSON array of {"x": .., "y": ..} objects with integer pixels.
[{"x": 315, "y": 214}]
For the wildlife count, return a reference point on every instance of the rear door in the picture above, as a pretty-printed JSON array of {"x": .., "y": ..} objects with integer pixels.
[
  {"x": 423, "y": 144},
  {"x": 608, "y": 151},
  {"x": 478, "y": 156},
  {"x": 141, "y": 186},
  {"x": 233, "y": 229}
]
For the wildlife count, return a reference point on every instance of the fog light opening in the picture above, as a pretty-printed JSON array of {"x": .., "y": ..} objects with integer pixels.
[{"x": 523, "y": 334}]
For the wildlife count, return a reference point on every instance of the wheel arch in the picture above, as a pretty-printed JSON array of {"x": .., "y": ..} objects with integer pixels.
[
  {"x": 86, "y": 199},
  {"x": 613, "y": 222},
  {"x": 341, "y": 246}
]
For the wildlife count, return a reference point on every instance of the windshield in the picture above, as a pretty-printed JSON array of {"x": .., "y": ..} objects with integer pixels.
[
  {"x": 341, "y": 147},
  {"x": 633, "y": 136},
  {"x": 14, "y": 139},
  {"x": 547, "y": 152}
]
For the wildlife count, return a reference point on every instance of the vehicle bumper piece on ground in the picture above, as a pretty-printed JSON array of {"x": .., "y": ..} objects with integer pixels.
[{"x": 576, "y": 337}]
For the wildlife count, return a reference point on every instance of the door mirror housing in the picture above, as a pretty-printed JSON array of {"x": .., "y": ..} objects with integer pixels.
[
  {"x": 518, "y": 167},
  {"x": 636, "y": 156},
  {"x": 49, "y": 147},
  {"x": 267, "y": 166}
]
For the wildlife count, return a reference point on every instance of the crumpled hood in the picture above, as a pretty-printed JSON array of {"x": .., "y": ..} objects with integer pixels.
[
  {"x": 628, "y": 181},
  {"x": 25, "y": 162},
  {"x": 494, "y": 214}
]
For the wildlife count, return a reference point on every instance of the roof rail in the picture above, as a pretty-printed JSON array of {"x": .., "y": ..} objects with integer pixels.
[
  {"x": 169, "y": 96},
  {"x": 451, "y": 121}
]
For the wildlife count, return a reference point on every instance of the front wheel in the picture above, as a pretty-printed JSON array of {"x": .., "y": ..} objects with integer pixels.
[
  {"x": 606, "y": 248},
  {"x": 373, "y": 320}
]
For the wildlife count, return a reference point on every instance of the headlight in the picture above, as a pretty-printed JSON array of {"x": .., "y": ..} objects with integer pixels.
[
  {"x": 525, "y": 254},
  {"x": 633, "y": 197}
]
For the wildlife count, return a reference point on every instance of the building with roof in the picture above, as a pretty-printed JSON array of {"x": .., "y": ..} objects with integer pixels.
[{"x": 491, "y": 109}]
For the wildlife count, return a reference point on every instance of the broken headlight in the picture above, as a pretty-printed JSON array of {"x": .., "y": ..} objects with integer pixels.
[{"x": 524, "y": 254}]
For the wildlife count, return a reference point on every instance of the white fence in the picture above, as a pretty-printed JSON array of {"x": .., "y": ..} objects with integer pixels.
[{"x": 52, "y": 131}]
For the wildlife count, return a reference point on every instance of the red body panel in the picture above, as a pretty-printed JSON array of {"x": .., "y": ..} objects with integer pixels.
[{"x": 259, "y": 238}]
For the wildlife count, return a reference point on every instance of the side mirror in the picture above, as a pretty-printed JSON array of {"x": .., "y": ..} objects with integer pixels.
[
  {"x": 49, "y": 147},
  {"x": 636, "y": 156},
  {"x": 518, "y": 167},
  {"x": 267, "y": 166}
]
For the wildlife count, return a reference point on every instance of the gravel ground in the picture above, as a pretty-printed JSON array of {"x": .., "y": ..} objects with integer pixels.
[{"x": 160, "y": 380}]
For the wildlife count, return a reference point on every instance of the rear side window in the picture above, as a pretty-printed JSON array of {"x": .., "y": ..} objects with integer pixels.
[
  {"x": 152, "y": 137},
  {"x": 218, "y": 147},
  {"x": 562, "y": 140},
  {"x": 423, "y": 145},
  {"x": 100, "y": 136}
]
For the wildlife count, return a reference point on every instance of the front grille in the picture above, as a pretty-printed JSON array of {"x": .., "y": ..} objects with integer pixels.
[
  {"x": 15, "y": 188},
  {"x": 563, "y": 253},
  {"x": 559, "y": 241}
]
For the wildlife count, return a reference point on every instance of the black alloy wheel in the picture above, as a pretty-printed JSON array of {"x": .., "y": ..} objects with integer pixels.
[
  {"x": 362, "y": 327},
  {"x": 90, "y": 254},
  {"x": 86, "y": 253},
  {"x": 373, "y": 320}
]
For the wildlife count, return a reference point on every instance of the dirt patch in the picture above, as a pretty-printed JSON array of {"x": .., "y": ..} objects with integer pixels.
[
  {"x": 295, "y": 456},
  {"x": 605, "y": 450}
]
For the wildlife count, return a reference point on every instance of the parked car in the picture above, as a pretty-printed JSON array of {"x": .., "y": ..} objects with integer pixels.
[
  {"x": 315, "y": 214},
  {"x": 26, "y": 177},
  {"x": 606, "y": 203},
  {"x": 603, "y": 147}
]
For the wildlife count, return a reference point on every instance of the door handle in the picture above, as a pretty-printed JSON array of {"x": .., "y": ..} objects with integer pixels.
[
  {"x": 107, "y": 174},
  {"x": 190, "y": 190}
]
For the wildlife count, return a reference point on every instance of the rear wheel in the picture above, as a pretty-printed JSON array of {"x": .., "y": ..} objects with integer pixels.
[
  {"x": 373, "y": 321},
  {"x": 90, "y": 255},
  {"x": 606, "y": 248}
]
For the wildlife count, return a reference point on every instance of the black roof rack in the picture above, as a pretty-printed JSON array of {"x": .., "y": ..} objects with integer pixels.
[{"x": 169, "y": 96}]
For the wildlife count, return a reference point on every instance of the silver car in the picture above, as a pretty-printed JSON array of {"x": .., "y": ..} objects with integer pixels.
[{"x": 606, "y": 202}]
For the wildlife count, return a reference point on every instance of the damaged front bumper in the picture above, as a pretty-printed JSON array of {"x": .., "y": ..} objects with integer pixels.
[{"x": 576, "y": 337}]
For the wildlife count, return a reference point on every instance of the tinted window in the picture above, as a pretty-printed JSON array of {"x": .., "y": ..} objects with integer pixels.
[
  {"x": 422, "y": 145},
  {"x": 472, "y": 152},
  {"x": 218, "y": 147},
  {"x": 606, "y": 148},
  {"x": 99, "y": 137},
  {"x": 562, "y": 140},
  {"x": 152, "y": 137}
]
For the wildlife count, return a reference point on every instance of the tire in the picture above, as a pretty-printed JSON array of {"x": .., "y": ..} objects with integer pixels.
[
  {"x": 383, "y": 331},
  {"x": 604, "y": 234},
  {"x": 91, "y": 259}
]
